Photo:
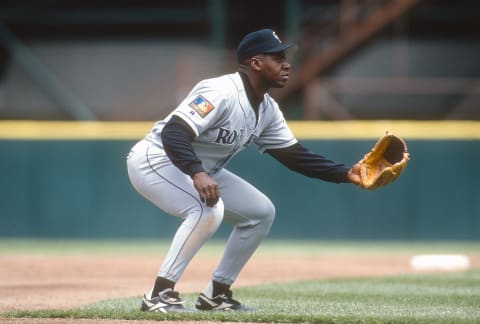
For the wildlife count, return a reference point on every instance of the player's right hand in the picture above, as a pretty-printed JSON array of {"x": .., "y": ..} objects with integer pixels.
[
  {"x": 207, "y": 188},
  {"x": 354, "y": 175}
]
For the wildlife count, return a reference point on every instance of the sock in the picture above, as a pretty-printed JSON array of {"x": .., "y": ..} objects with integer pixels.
[
  {"x": 160, "y": 285},
  {"x": 219, "y": 288}
]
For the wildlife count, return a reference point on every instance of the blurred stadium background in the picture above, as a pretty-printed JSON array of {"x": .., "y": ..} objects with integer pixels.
[{"x": 133, "y": 60}]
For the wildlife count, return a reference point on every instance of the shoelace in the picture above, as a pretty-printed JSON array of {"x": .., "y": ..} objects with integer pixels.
[
  {"x": 173, "y": 297},
  {"x": 172, "y": 294},
  {"x": 228, "y": 293}
]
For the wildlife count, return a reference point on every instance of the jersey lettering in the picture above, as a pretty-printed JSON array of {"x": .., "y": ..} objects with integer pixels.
[{"x": 226, "y": 136}]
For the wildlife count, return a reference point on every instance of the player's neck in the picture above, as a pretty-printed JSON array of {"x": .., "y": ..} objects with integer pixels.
[{"x": 255, "y": 94}]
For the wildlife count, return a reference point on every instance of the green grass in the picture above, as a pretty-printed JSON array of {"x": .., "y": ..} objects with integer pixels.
[
  {"x": 438, "y": 298},
  {"x": 215, "y": 247}
]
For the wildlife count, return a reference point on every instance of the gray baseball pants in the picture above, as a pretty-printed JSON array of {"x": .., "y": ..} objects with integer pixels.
[{"x": 249, "y": 210}]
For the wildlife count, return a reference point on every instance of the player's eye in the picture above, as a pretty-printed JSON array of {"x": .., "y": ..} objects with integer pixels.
[{"x": 279, "y": 57}]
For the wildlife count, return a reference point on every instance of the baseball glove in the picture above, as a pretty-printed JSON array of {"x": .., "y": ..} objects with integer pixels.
[{"x": 384, "y": 163}]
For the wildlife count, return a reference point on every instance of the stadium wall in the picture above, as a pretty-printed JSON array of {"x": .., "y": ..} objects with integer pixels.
[{"x": 69, "y": 180}]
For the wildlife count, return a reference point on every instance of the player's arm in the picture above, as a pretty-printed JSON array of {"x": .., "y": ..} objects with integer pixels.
[
  {"x": 299, "y": 159},
  {"x": 177, "y": 137}
]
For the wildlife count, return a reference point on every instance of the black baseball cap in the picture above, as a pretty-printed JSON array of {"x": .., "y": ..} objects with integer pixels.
[{"x": 263, "y": 41}]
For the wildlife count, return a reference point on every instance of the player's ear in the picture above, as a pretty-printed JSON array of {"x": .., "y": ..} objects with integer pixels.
[{"x": 256, "y": 63}]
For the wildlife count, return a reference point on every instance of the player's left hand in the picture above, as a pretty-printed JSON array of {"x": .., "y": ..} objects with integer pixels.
[{"x": 354, "y": 175}]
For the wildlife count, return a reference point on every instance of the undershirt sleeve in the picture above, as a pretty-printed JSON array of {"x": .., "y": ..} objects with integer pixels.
[
  {"x": 299, "y": 159},
  {"x": 177, "y": 137}
]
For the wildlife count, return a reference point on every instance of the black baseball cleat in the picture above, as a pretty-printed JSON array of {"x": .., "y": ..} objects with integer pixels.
[
  {"x": 167, "y": 301},
  {"x": 223, "y": 302}
]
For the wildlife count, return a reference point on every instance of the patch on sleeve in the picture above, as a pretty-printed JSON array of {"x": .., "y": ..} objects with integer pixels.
[{"x": 202, "y": 106}]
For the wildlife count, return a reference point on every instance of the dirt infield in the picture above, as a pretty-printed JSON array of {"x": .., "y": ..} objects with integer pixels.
[{"x": 64, "y": 282}]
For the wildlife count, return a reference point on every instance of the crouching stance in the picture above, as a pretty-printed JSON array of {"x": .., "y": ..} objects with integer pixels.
[{"x": 180, "y": 167}]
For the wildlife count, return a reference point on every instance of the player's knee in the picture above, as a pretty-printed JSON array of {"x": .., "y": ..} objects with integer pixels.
[
  {"x": 211, "y": 217},
  {"x": 267, "y": 212},
  {"x": 264, "y": 220}
]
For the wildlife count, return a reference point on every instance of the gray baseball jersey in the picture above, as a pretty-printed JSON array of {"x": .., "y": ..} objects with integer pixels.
[{"x": 220, "y": 114}]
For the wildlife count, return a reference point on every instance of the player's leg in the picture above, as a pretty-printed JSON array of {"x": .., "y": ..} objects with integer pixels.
[
  {"x": 154, "y": 177},
  {"x": 252, "y": 214}
]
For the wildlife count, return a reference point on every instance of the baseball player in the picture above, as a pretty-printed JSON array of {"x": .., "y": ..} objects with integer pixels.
[{"x": 180, "y": 167}]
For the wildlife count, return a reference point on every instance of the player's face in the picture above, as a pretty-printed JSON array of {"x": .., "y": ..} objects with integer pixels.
[{"x": 275, "y": 69}]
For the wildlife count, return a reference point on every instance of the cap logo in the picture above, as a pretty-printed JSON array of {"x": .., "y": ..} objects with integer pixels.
[{"x": 275, "y": 35}]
